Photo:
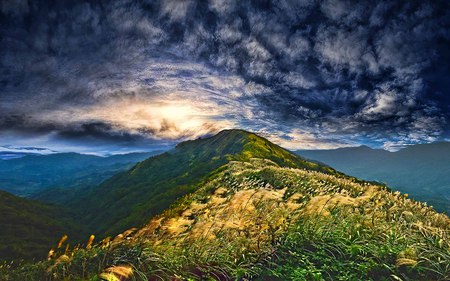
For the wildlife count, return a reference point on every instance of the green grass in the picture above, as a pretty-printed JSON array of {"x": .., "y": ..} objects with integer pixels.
[
  {"x": 29, "y": 229},
  {"x": 384, "y": 236}
]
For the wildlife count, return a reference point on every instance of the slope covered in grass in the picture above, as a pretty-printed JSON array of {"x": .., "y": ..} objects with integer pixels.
[
  {"x": 422, "y": 170},
  {"x": 29, "y": 229},
  {"x": 258, "y": 221},
  {"x": 130, "y": 198}
]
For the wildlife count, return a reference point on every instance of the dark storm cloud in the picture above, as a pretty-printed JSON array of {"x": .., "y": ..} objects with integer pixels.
[{"x": 331, "y": 72}]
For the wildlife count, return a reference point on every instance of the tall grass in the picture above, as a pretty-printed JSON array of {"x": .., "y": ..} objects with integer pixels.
[{"x": 257, "y": 221}]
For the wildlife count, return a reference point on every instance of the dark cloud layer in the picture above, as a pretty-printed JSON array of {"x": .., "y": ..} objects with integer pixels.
[{"x": 307, "y": 73}]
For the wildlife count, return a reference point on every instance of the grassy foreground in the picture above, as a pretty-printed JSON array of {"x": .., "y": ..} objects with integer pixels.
[{"x": 258, "y": 221}]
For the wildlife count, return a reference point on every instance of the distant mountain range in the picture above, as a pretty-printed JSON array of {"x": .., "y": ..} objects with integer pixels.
[
  {"x": 31, "y": 174},
  {"x": 5, "y": 155},
  {"x": 422, "y": 171},
  {"x": 11, "y": 152}
]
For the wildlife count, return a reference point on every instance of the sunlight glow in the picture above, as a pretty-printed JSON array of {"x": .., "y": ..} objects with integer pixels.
[{"x": 169, "y": 119}]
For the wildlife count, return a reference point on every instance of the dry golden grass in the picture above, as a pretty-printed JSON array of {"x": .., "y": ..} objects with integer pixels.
[
  {"x": 221, "y": 191},
  {"x": 292, "y": 202},
  {"x": 90, "y": 241},
  {"x": 108, "y": 277},
  {"x": 246, "y": 212},
  {"x": 322, "y": 204},
  {"x": 124, "y": 271},
  {"x": 117, "y": 273},
  {"x": 50, "y": 254},
  {"x": 63, "y": 259},
  {"x": 405, "y": 262},
  {"x": 129, "y": 232},
  {"x": 176, "y": 226},
  {"x": 216, "y": 200},
  {"x": 62, "y": 240}
]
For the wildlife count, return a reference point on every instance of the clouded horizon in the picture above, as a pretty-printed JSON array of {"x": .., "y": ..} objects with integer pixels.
[{"x": 114, "y": 76}]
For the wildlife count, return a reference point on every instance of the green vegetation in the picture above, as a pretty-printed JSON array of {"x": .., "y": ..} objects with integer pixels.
[
  {"x": 256, "y": 220},
  {"x": 29, "y": 229},
  {"x": 47, "y": 177},
  {"x": 131, "y": 198},
  {"x": 236, "y": 207}
]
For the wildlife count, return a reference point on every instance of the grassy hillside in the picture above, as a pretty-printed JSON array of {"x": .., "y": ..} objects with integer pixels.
[
  {"x": 422, "y": 171},
  {"x": 130, "y": 198},
  {"x": 256, "y": 220},
  {"x": 33, "y": 175},
  {"x": 29, "y": 229}
]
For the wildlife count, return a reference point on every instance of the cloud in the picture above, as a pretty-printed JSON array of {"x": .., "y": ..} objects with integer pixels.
[
  {"x": 176, "y": 10},
  {"x": 301, "y": 139},
  {"x": 135, "y": 118},
  {"x": 15, "y": 7},
  {"x": 294, "y": 11},
  {"x": 222, "y": 7},
  {"x": 342, "y": 71},
  {"x": 343, "y": 11},
  {"x": 297, "y": 80},
  {"x": 299, "y": 47},
  {"x": 346, "y": 49},
  {"x": 386, "y": 102},
  {"x": 230, "y": 34}
]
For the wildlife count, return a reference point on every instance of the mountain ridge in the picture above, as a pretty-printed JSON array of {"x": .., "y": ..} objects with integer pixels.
[
  {"x": 32, "y": 174},
  {"x": 422, "y": 170},
  {"x": 236, "y": 207},
  {"x": 190, "y": 162}
]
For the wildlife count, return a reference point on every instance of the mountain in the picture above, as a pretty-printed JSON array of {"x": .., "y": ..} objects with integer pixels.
[
  {"x": 6, "y": 155},
  {"x": 256, "y": 219},
  {"x": 422, "y": 171},
  {"x": 29, "y": 229},
  {"x": 33, "y": 174},
  {"x": 131, "y": 197},
  {"x": 11, "y": 152}
]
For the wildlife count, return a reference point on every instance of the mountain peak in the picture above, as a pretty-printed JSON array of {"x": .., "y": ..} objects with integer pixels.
[
  {"x": 241, "y": 145},
  {"x": 152, "y": 185},
  {"x": 364, "y": 147},
  {"x": 235, "y": 132},
  {"x": 224, "y": 135}
]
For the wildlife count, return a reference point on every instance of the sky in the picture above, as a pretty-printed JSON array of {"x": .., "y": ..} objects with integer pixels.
[{"x": 117, "y": 76}]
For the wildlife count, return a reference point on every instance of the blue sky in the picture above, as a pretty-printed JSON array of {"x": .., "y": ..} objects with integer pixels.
[{"x": 115, "y": 76}]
